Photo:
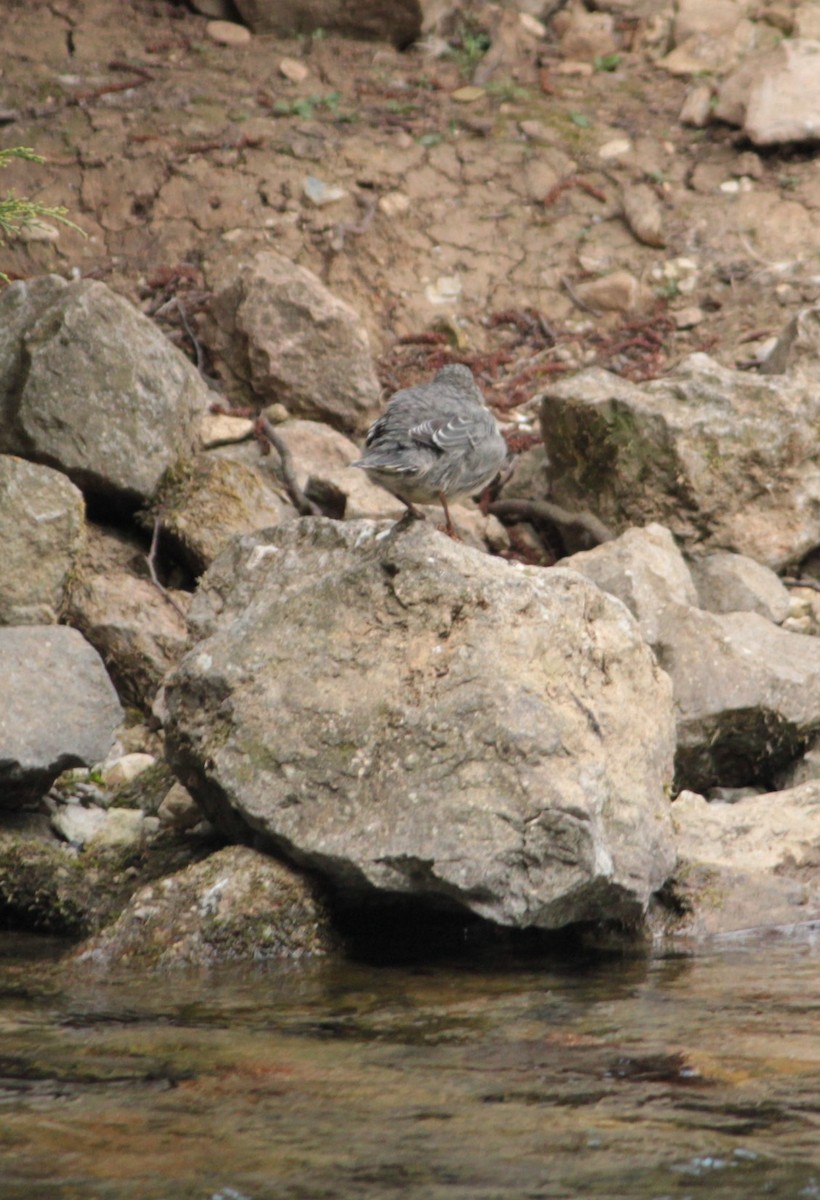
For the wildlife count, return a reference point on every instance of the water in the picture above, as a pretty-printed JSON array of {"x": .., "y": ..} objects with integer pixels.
[{"x": 677, "y": 1078}]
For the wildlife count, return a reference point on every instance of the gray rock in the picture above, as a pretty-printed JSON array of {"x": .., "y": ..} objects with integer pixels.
[
  {"x": 775, "y": 95},
  {"x": 722, "y": 458},
  {"x": 91, "y": 386},
  {"x": 745, "y": 693},
  {"x": 644, "y": 569},
  {"x": 399, "y": 712},
  {"x": 235, "y": 905},
  {"x": 135, "y": 629},
  {"x": 209, "y": 500},
  {"x": 398, "y": 22},
  {"x": 42, "y": 531},
  {"x": 58, "y": 709},
  {"x": 282, "y": 336},
  {"x": 729, "y": 582},
  {"x": 746, "y": 866}
]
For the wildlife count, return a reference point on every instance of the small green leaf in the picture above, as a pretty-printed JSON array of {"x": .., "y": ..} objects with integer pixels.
[
  {"x": 607, "y": 62},
  {"x": 580, "y": 119}
]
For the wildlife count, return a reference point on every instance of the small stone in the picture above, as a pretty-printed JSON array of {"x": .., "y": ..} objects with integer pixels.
[
  {"x": 321, "y": 193},
  {"x": 38, "y": 231},
  {"x": 532, "y": 25},
  {"x": 76, "y": 824},
  {"x": 570, "y": 67},
  {"x": 730, "y": 186},
  {"x": 643, "y": 214},
  {"x": 697, "y": 107},
  {"x": 536, "y": 131},
  {"x": 293, "y": 69},
  {"x": 122, "y": 827},
  {"x": 394, "y": 204},
  {"x": 618, "y": 292},
  {"x": 617, "y": 148},
  {"x": 228, "y": 33},
  {"x": 468, "y": 94},
  {"x": 446, "y": 290},
  {"x": 276, "y": 413},
  {"x": 116, "y": 774},
  {"x": 179, "y": 809},
  {"x": 688, "y": 318},
  {"x": 221, "y": 429}
]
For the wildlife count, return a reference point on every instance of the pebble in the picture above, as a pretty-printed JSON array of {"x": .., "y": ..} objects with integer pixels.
[
  {"x": 228, "y": 33},
  {"x": 293, "y": 69},
  {"x": 617, "y": 148},
  {"x": 446, "y": 290},
  {"x": 468, "y": 94},
  {"x": 394, "y": 204},
  {"x": 688, "y": 318},
  {"x": 221, "y": 429},
  {"x": 697, "y": 107},
  {"x": 321, "y": 193}
]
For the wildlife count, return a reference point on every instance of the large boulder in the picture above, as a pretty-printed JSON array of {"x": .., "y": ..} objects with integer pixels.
[
  {"x": 745, "y": 690},
  {"x": 58, "y": 709},
  {"x": 775, "y": 95},
  {"x": 724, "y": 459},
  {"x": 90, "y": 386},
  {"x": 280, "y": 335},
  {"x": 236, "y": 905},
  {"x": 42, "y": 532},
  {"x": 404, "y": 714},
  {"x": 745, "y": 866}
]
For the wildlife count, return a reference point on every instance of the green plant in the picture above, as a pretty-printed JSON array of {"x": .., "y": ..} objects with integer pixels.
[
  {"x": 18, "y": 212},
  {"x": 607, "y": 62},
  {"x": 468, "y": 47}
]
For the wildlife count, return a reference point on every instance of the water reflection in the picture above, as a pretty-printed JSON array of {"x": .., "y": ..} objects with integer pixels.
[{"x": 681, "y": 1077}]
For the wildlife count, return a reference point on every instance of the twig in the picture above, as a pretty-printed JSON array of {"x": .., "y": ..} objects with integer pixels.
[
  {"x": 151, "y": 559},
  {"x": 576, "y": 299},
  {"x": 264, "y": 429},
  {"x": 545, "y": 510}
]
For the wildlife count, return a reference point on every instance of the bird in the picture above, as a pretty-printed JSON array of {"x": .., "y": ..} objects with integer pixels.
[{"x": 435, "y": 442}]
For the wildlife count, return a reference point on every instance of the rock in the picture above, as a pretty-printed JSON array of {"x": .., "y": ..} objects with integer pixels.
[
  {"x": 135, "y": 629},
  {"x": 688, "y": 318},
  {"x": 209, "y": 500},
  {"x": 722, "y": 458},
  {"x": 697, "y": 106},
  {"x": 643, "y": 568},
  {"x": 228, "y": 33},
  {"x": 321, "y": 461},
  {"x": 125, "y": 769},
  {"x": 745, "y": 695},
  {"x": 58, "y": 709},
  {"x": 427, "y": 721},
  {"x": 76, "y": 824},
  {"x": 775, "y": 95},
  {"x": 798, "y": 346},
  {"x": 89, "y": 385},
  {"x": 643, "y": 214},
  {"x": 747, "y": 866},
  {"x": 729, "y": 582},
  {"x": 282, "y": 336},
  {"x": 294, "y": 69},
  {"x": 42, "y": 532},
  {"x": 179, "y": 809},
  {"x": 586, "y": 36},
  {"x": 320, "y": 193},
  {"x": 743, "y": 688},
  {"x": 619, "y": 291},
  {"x": 236, "y": 905},
  {"x": 222, "y": 429},
  {"x": 399, "y": 22}
]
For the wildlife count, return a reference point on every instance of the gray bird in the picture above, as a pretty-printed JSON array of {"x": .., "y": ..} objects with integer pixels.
[{"x": 435, "y": 442}]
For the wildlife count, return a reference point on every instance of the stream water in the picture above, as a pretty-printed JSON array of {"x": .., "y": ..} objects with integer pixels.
[{"x": 682, "y": 1077}]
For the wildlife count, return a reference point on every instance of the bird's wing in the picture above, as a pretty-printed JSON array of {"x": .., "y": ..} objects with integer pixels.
[{"x": 446, "y": 433}]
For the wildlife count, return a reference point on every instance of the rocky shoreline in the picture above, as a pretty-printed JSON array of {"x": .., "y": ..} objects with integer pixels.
[{"x": 225, "y": 714}]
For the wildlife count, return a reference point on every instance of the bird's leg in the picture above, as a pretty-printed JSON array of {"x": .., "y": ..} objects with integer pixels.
[
  {"x": 449, "y": 527},
  {"x": 412, "y": 513}
]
